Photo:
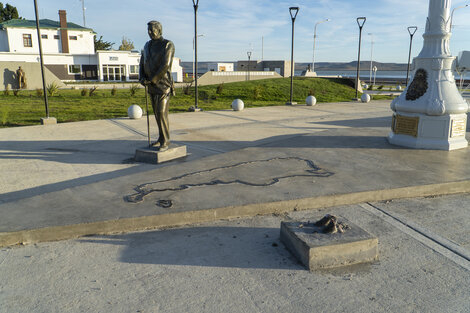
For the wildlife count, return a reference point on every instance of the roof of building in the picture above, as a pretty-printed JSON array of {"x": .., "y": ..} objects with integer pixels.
[{"x": 44, "y": 23}]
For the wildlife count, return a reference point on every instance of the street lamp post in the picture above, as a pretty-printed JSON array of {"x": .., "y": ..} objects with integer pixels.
[
  {"x": 293, "y": 14},
  {"x": 411, "y": 30},
  {"x": 360, "y": 22},
  {"x": 314, "y": 39},
  {"x": 452, "y": 14},
  {"x": 249, "y": 59},
  {"x": 195, "y": 108},
  {"x": 47, "y": 119},
  {"x": 371, "y": 55}
]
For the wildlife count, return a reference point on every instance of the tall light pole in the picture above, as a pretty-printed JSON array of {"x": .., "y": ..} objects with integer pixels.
[
  {"x": 452, "y": 15},
  {"x": 195, "y": 108},
  {"x": 249, "y": 59},
  {"x": 314, "y": 39},
  {"x": 47, "y": 119},
  {"x": 411, "y": 30},
  {"x": 293, "y": 14},
  {"x": 371, "y": 55},
  {"x": 360, "y": 22}
]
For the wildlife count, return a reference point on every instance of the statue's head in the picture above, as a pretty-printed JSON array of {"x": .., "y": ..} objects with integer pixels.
[{"x": 155, "y": 30}]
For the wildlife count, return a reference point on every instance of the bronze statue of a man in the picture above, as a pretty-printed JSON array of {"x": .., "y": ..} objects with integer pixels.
[
  {"x": 155, "y": 74},
  {"x": 20, "y": 75}
]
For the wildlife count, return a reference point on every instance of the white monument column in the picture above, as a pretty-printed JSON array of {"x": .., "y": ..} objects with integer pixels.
[{"x": 431, "y": 113}]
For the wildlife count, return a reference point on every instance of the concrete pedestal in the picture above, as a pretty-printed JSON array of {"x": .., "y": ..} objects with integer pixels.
[
  {"x": 317, "y": 250},
  {"x": 431, "y": 113},
  {"x": 153, "y": 156},
  {"x": 420, "y": 131},
  {"x": 48, "y": 120}
]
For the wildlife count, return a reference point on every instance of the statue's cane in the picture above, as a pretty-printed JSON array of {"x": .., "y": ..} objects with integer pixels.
[{"x": 147, "y": 108}]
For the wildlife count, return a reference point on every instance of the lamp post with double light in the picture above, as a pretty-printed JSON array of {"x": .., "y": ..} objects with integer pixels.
[
  {"x": 47, "y": 119},
  {"x": 293, "y": 14},
  {"x": 360, "y": 22},
  {"x": 196, "y": 107},
  {"x": 411, "y": 30}
]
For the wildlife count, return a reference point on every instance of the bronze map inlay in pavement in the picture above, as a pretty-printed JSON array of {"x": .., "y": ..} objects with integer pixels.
[{"x": 258, "y": 173}]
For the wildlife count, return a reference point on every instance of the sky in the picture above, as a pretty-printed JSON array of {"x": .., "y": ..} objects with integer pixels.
[{"x": 228, "y": 29}]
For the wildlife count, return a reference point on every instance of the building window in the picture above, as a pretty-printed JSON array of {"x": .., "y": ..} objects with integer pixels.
[
  {"x": 27, "y": 41},
  {"x": 134, "y": 69},
  {"x": 56, "y": 37},
  {"x": 44, "y": 36},
  {"x": 75, "y": 69},
  {"x": 73, "y": 37}
]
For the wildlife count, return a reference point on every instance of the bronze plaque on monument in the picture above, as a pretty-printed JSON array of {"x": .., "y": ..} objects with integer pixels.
[
  {"x": 459, "y": 128},
  {"x": 405, "y": 125}
]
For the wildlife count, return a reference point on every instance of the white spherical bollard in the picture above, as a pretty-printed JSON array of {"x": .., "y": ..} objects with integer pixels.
[
  {"x": 366, "y": 86},
  {"x": 365, "y": 97},
  {"x": 311, "y": 101},
  {"x": 237, "y": 105},
  {"x": 399, "y": 88},
  {"x": 134, "y": 112}
]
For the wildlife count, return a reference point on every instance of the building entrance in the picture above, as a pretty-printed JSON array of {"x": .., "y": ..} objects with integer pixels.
[{"x": 114, "y": 72}]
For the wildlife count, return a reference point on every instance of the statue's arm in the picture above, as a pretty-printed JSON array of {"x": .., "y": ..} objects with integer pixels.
[
  {"x": 142, "y": 76},
  {"x": 165, "y": 65}
]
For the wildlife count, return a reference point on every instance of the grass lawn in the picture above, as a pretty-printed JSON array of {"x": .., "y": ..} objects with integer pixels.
[{"x": 26, "y": 108}]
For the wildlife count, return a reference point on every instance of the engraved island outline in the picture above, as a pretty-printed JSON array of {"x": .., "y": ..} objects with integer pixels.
[{"x": 258, "y": 173}]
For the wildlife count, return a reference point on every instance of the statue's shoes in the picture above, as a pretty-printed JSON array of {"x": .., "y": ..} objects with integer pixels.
[
  {"x": 155, "y": 144},
  {"x": 163, "y": 148}
]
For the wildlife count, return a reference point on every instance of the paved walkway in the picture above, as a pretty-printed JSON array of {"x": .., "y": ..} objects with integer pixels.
[
  {"x": 245, "y": 173},
  {"x": 241, "y": 266},
  {"x": 76, "y": 179}
]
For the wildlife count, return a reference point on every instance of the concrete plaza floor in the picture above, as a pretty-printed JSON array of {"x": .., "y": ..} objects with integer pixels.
[
  {"x": 75, "y": 179},
  {"x": 245, "y": 173}
]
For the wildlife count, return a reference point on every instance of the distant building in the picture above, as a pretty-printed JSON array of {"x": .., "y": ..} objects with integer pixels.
[
  {"x": 177, "y": 70},
  {"x": 463, "y": 61},
  {"x": 280, "y": 67},
  {"x": 220, "y": 67},
  {"x": 69, "y": 52}
]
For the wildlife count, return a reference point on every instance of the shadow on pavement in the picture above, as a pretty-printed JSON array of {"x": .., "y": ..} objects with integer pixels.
[
  {"x": 361, "y": 122},
  {"x": 238, "y": 247}
]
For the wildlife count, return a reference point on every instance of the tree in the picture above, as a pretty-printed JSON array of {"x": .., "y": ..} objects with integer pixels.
[
  {"x": 100, "y": 44},
  {"x": 126, "y": 44},
  {"x": 8, "y": 12}
]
